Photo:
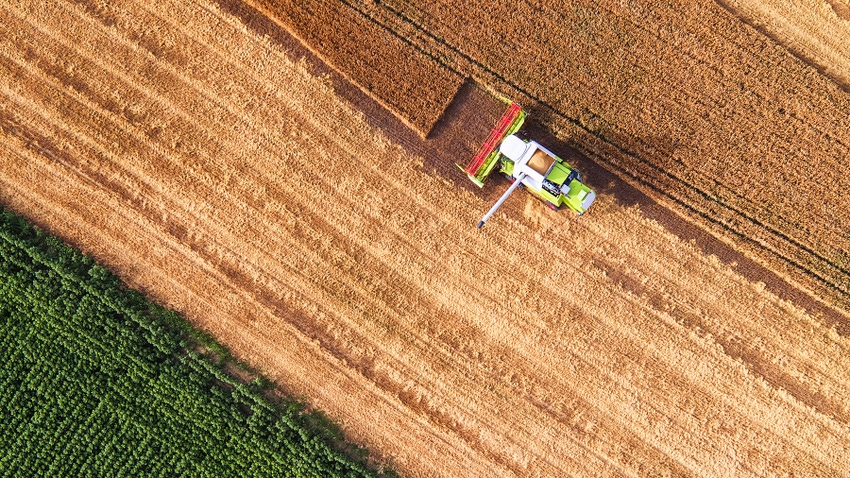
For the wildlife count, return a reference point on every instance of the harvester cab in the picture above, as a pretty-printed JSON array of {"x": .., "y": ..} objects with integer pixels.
[{"x": 527, "y": 164}]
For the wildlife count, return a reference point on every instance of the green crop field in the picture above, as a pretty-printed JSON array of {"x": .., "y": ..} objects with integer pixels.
[{"x": 97, "y": 381}]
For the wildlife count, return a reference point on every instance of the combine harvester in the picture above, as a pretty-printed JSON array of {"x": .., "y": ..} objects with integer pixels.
[{"x": 527, "y": 164}]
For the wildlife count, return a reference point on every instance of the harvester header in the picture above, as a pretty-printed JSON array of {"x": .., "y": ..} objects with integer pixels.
[
  {"x": 527, "y": 164},
  {"x": 483, "y": 162}
]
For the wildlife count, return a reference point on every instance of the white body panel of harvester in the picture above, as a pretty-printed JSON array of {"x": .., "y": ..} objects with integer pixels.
[{"x": 588, "y": 200}]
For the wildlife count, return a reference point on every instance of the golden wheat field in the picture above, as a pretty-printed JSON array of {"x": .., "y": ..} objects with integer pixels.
[
  {"x": 238, "y": 183},
  {"x": 717, "y": 109}
]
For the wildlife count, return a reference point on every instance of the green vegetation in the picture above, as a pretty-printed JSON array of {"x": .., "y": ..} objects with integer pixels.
[{"x": 96, "y": 381}]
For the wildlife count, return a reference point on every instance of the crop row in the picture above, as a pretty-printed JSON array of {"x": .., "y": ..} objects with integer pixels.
[{"x": 97, "y": 381}]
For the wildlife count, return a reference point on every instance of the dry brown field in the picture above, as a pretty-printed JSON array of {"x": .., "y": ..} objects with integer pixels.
[
  {"x": 720, "y": 120},
  {"x": 276, "y": 207}
]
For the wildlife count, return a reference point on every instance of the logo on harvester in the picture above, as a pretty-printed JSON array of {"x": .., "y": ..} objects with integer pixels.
[{"x": 527, "y": 164}]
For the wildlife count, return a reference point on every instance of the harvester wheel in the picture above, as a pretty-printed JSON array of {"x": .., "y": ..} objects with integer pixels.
[
  {"x": 512, "y": 179},
  {"x": 552, "y": 206}
]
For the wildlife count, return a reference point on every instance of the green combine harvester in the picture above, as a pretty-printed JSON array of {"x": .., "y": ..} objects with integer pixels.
[{"x": 527, "y": 164}]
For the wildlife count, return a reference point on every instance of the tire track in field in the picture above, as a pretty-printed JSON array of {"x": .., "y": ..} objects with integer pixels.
[
  {"x": 808, "y": 32},
  {"x": 778, "y": 378}
]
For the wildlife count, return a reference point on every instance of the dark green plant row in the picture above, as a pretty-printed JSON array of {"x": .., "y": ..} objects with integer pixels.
[{"x": 97, "y": 381}]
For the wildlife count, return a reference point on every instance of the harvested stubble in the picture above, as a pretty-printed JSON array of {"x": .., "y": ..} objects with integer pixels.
[
  {"x": 214, "y": 173},
  {"x": 684, "y": 99}
]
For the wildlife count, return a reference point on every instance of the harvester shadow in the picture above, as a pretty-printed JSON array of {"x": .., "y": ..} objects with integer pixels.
[{"x": 599, "y": 178}]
